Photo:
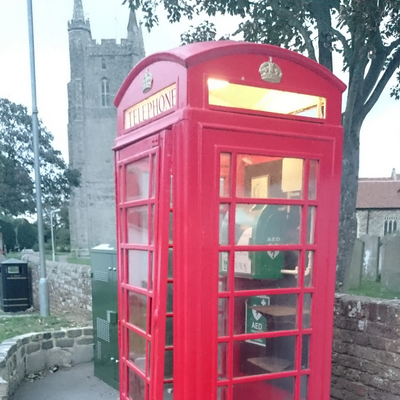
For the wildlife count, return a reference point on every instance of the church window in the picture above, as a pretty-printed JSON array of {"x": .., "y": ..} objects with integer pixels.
[
  {"x": 390, "y": 225},
  {"x": 105, "y": 93},
  {"x": 103, "y": 64}
]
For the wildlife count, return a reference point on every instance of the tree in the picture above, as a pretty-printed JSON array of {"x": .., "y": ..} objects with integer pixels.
[
  {"x": 26, "y": 233},
  {"x": 17, "y": 194},
  {"x": 366, "y": 33},
  {"x": 8, "y": 231}
]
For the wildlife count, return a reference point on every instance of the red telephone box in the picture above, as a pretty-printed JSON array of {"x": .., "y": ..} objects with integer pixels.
[{"x": 228, "y": 162}]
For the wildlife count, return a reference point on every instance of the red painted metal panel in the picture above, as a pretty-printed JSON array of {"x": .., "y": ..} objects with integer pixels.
[
  {"x": 197, "y": 53},
  {"x": 191, "y": 149}
]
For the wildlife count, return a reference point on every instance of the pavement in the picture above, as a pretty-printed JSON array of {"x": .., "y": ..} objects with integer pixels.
[{"x": 76, "y": 383}]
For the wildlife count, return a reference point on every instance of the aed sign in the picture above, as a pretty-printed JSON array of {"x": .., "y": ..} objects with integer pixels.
[
  {"x": 255, "y": 321},
  {"x": 156, "y": 104}
]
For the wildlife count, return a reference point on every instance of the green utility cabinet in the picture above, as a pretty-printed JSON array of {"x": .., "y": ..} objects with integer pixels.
[{"x": 103, "y": 260}]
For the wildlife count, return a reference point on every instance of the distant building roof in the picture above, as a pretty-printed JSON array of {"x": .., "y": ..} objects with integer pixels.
[{"x": 379, "y": 192}]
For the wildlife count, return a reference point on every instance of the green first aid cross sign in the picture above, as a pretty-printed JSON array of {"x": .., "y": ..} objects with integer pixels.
[{"x": 255, "y": 321}]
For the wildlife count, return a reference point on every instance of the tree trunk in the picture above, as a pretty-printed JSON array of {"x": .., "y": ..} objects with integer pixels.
[
  {"x": 324, "y": 23},
  {"x": 349, "y": 189}
]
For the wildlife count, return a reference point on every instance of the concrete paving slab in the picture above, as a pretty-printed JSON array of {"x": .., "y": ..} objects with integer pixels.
[{"x": 76, "y": 383}]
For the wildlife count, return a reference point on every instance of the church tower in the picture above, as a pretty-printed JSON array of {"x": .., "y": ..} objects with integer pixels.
[{"x": 97, "y": 72}]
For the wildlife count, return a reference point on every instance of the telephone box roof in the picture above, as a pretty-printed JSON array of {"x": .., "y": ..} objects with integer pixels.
[{"x": 197, "y": 53}]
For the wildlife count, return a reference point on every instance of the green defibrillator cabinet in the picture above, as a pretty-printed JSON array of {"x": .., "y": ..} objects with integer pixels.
[{"x": 257, "y": 225}]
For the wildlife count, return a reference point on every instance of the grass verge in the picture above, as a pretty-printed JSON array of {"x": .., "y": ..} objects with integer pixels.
[
  {"x": 59, "y": 257},
  {"x": 374, "y": 289},
  {"x": 15, "y": 325}
]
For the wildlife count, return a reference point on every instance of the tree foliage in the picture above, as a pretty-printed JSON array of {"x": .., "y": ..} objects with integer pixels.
[
  {"x": 17, "y": 188},
  {"x": 365, "y": 33}
]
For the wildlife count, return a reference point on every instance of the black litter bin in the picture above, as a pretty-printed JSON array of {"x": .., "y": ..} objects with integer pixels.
[{"x": 14, "y": 286}]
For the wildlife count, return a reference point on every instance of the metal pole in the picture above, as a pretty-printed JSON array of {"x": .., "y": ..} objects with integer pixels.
[
  {"x": 52, "y": 234},
  {"x": 43, "y": 287}
]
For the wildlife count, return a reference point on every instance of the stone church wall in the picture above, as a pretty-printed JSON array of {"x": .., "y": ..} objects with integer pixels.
[
  {"x": 372, "y": 221},
  {"x": 92, "y": 127}
]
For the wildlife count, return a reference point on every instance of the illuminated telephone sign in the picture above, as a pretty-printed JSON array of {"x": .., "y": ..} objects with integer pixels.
[{"x": 157, "y": 104}]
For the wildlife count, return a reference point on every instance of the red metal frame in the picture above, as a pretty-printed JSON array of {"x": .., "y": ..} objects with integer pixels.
[
  {"x": 317, "y": 153},
  {"x": 188, "y": 141}
]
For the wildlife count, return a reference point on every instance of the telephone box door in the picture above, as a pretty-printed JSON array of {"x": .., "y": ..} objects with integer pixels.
[
  {"x": 272, "y": 218},
  {"x": 143, "y": 184}
]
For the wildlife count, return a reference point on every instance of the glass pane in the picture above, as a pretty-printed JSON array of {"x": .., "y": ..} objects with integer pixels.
[
  {"x": 170, "y": 297},
  {"x": 309, "y": 269},
  {"x": 170, "y": 200},
  {"x": 223, "y": 285},
  {"x": 138, "y": 264},
  {"x": 222, "y": 360},
  {"x": 137, "y": 309},
  {"x": 222, "y": 393},
  {"x": 168, "y": 391},
  {"x": 312, "y": 181},
  {"x": 266, "y": 269},
  {"x": 137, "y": 180},
  {"x": 120, "y": 186},
  {"x": 260, "y": 224},
  {"x": 311, "y": 225},
  {"x": 122, "y": 225},
  {"x": 169, "y": 364},
  {"x": 223, "y": 224},
  {"x": 304, "y": 387},
  {"x": 135, "y": 386},
  {"x": 169, "y": 332},
  {"x": 152, "y": 224},
  {"x": 260, "y": 314},
  {"x": 148, "y": 358},
  {"x": 223, "y": 305},
  {"x": 137, "y": 350},
  {"x": 138, "y": 221},
  {"x": 151, "y": 269},
  {"x": 170, "y": 227},
  {"x": 153, "y": 178},
  {"x": 170, "y": 263},
  {"x": 225, "y": 94},
  {"x": 274, "y": 355},
  {"x": 307, "y": 310},
  {"x": 282, "y": 388},
  {"x": 225, "y": 175},
  {"x": 262, "y": 177},
  {"x": 305, "y": 352},
  {"x": 123, "y": 271}
]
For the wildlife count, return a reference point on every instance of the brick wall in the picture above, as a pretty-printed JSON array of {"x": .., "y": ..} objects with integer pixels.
[
  {"x": 366, "y": 349},
  {"x": 70, "y": 287}
]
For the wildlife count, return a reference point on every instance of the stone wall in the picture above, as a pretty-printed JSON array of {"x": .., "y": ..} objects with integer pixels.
[
  {"x": 70, "y": 287},
  {"x": 366, "y": 349},
  {"x": 372, "y": 221},
  {"x": 34, "y": 352}
]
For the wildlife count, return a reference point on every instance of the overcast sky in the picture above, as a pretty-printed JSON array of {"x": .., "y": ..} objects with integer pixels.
[{"x": 380, "y": 136}]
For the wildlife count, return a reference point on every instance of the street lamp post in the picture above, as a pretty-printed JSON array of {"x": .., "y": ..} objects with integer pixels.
[
  {"x": 52, "y": 233},
  {"x": 43, "y": 287}
]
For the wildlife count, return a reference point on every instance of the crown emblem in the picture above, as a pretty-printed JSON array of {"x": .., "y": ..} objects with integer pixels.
[
  {"x": 270, "y": 72},
  {"x": 147, "y": 81}
]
